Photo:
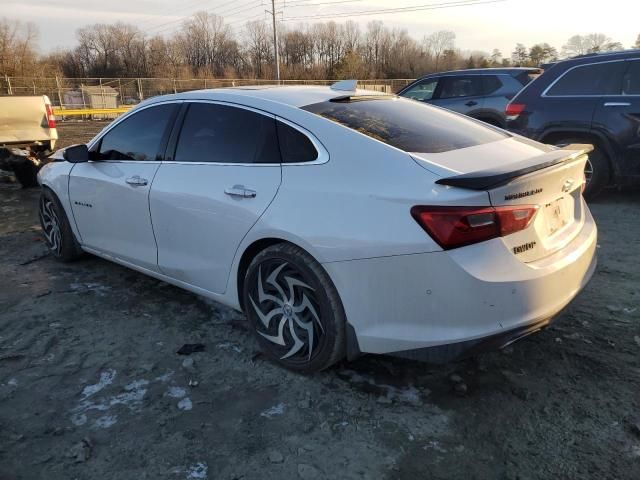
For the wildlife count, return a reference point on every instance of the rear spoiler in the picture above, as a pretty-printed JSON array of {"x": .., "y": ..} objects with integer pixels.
[{"x": 495, "y": 177}]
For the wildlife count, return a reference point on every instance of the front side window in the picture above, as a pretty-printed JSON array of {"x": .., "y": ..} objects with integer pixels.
[
  {"x": 631, "y": 81},
  {"x": 407, "y": 125},
  {"x": 463, "y": 86},
  {"x": 225, "y": 134},
  {"x": 422, "y": 91},
  {"x": 137, "y": 137},
  {"x": 601, "y": 79}
]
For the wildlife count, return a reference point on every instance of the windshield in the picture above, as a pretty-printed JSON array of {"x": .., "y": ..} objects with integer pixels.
[{"x": 407, "y": 124}]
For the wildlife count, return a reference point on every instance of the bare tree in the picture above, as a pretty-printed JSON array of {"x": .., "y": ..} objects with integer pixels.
[
  {"x": 439, "y": 42},
  {"x": 496, "y": 58},
  {"x": 17, "y": 47},
  {"x": 591, "y": 43},
  {"x": 259, "y": 48}
]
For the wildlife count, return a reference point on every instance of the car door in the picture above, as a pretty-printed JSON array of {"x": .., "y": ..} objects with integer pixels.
[
  {"x": 222, "y": 172},
  {"x": 110, "y": 193},
  {"x": 618, "y": 116},
  {"x": 460, "y": 93}
]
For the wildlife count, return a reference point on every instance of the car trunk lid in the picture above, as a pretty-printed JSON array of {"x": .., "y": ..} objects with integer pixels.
[{"x": 552, "y": 181}]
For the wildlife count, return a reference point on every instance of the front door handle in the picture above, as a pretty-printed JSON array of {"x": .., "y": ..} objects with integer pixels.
[
  {"x": 617, "y": 104},
  {"x": 136, "y": 181},
  {"x": 471, "y": 103},
  {"x": 240, "y": 191}
]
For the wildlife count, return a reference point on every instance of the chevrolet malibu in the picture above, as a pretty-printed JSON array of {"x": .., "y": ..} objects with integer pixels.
[{"x": 340, "y": 221}]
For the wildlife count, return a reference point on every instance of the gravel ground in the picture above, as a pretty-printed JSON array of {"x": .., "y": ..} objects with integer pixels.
[{"x": 91, "y": 386}]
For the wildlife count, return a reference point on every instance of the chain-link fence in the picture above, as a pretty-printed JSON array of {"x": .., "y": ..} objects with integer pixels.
[{"x": 113, "y": 92}]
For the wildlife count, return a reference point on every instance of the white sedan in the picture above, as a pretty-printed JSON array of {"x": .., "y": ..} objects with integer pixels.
[{"x": 340, "y": 221}]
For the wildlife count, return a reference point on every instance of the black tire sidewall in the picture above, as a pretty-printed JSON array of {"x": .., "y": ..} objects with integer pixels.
[{"x": 332, "y": 346}]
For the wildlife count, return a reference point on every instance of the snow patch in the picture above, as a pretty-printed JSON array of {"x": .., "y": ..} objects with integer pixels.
[
  {"x": 106, "y": 421},
  {"x": 185, "y": 404},
  {"x": 176, "y": 392},
  {"x": 106, "y": 378},
  {"x": 199, "y": 470},
  {"x": 274, "y": 411}
]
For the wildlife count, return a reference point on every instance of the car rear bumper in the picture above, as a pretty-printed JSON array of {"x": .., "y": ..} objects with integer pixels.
[{"x": 465, "y": 299}]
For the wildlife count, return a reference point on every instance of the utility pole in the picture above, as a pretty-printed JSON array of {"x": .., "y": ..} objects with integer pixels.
[{"x": 275, "y": 39}]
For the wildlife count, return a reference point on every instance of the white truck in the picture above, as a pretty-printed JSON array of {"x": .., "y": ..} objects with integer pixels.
[{"x": 27, "y": 135}]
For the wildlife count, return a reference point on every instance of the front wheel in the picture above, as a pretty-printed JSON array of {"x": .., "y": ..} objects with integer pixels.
[
  {"x": 55, "y": 226},
  {"x": 294, "y": 309}
]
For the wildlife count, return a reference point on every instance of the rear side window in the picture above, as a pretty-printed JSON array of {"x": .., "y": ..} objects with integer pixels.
[
  {"x": 224, "y": 134},
  {"x": 492, "y": 84},
  {"x": 137, "y": 137},
  {"x": 295, "y": 147},
  {"x": 631, "y": 81},
  {"x": 422, "y": 90},
  {"x": 463, "y": 86},
  {"x": 407, "y": 125},
  {"x": 600, "y": 79}
]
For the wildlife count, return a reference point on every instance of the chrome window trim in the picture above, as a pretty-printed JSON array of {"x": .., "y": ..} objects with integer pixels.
[
  {"x": 546, "y": 90},
  {"x": 323, "y": 155}
]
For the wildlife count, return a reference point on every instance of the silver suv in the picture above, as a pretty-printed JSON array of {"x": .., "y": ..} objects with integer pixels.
[{"x": 481, "y": 93}]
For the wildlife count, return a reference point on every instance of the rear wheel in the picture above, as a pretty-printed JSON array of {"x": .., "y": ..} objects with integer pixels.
[
  {"x": 56, "y": 228},
  {"x": 294, "y": 309},
  {"x": 597, "y": 171}
]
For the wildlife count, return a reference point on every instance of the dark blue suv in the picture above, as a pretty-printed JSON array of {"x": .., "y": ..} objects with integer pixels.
[
  {"x": 481, "y": 93},
  {"x": 588, "y": 99}
]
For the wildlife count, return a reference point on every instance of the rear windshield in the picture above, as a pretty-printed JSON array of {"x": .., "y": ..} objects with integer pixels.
[{"x": 406, "y": 124}]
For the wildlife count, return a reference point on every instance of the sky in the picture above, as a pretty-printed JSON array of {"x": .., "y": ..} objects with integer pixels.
[{"x": 477, "y": 27}]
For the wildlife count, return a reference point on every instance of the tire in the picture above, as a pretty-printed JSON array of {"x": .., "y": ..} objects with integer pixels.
[
  {"x": 57, "y": 231},
  {"x": 305, "y": 333},
  {"x": 597, "y": 170}
]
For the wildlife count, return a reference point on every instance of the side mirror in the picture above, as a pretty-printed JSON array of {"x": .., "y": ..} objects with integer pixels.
[{"x": 76, "y": 153}]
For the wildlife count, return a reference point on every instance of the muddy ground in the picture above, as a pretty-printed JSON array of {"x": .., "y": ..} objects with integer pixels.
[{"x": 91, "y": 386}]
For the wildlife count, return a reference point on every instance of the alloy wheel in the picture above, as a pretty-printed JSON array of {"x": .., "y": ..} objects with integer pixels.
[
  {"x": 588, "y": 171},
  {"x": 288, "y": 311},
  {"x": 51, "y": 225}
]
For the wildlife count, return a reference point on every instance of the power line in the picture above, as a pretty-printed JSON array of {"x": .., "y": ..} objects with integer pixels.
[
  {"x": 416, "y": 8},
  {"x": 151, "y": 17},
  {"x": 232, "y": 11}
]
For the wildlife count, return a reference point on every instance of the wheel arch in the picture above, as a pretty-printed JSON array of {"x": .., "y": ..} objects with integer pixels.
[{"x": 257, "y": 246}]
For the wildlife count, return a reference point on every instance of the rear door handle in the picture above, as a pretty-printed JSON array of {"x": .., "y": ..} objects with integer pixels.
[
  {"x": 136, "y": 181},
  {"x": 617, "y": 104},
  {"x": 240, "y": 191},
  {"x": 471, "y": 103}
]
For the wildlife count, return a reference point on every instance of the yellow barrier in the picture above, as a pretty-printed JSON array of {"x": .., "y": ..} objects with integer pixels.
[{"x": 67, "y": 112}]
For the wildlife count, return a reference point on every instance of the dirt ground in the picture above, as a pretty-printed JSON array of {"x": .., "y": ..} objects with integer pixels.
[{"x": 91, "y": 386}]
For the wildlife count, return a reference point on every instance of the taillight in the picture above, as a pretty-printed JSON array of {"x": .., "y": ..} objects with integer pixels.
[
  {"x": 513, "y": 110},
  {"x": 453, "y": 227},
  {"x": 51, "y": 118}
]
